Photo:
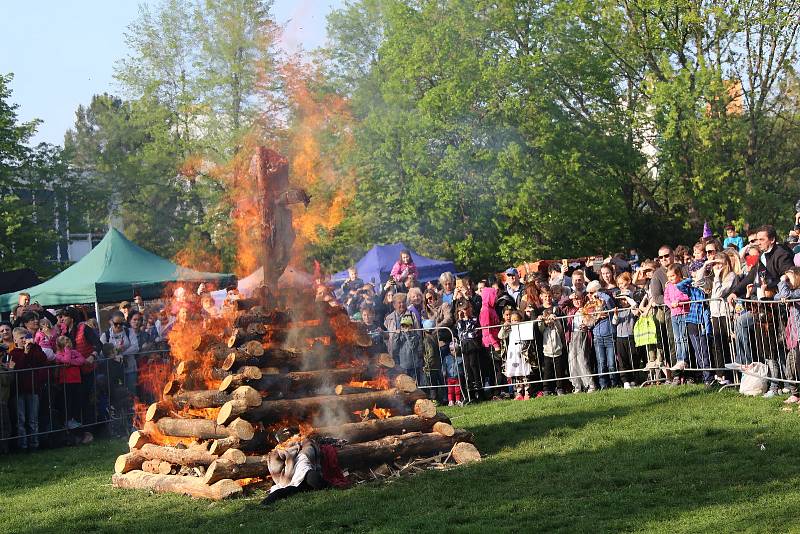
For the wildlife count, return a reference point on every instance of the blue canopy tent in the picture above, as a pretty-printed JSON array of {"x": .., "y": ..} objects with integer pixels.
[{"x": 377, "y": 263}]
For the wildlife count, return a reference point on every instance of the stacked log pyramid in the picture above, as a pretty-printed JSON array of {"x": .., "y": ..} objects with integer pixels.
[{"x": 242, "y": 384}]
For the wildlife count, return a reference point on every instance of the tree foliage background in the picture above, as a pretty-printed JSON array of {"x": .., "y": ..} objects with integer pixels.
[{"x": 489, "y": 132}]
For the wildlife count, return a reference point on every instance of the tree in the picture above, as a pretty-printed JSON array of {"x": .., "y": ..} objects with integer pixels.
[{"x": 31, "y": 183}]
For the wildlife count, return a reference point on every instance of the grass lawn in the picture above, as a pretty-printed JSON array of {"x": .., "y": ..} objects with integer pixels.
[{"x": 658, "y": 459}]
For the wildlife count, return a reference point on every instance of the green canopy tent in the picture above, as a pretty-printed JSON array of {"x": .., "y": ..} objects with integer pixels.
[{"x": 111, "y": 272}]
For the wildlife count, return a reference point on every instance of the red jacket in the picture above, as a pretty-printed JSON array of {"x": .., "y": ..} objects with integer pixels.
[
  {"x": 71, "y": 374},
  {"x": 30, "y": 381}
]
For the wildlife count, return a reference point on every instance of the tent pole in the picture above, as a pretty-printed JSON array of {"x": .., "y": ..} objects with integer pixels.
[{"x": 97, "y": 315}]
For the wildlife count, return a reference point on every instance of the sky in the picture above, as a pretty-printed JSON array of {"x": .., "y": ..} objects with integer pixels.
[{"x": 63, "y": 52}]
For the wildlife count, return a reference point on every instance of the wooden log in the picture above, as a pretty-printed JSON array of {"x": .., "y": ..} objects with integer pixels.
[
  {"x": 203, "y": 341},
  {"x": 274, "y": 319},
  {"x": 390, "y": 448},
  {"x": 171, "y": 387},
  {"x": 205, "y": 429},
  {"x": 254, "y": 348},
  {"x": 244, "y": 375},
  {"x": 211, "y": 398},
  {"x": 189, "y": 456},
  {"x": 254, "y": 466},
  {"x": 256, "y": 328},
  {"x": 157, "y": 410},
  {"x": 138, "y": 438},
  {"x": 271, "y": 411},
  {"x": 342, "y": 389},
  {"x": 151, "y": 466},
  {"x": 165, "y": 468},
  {"x": 191, "y": 486},
  {"x": 384, "y": 360},
  {"x": 445, "y": 429},
  {"x": 219, "y": 446},
  {"x": 234, "y": 455},
  {"x": 464, "y": 453},
  {"x": 306, "y": 383},
  {"x": 425, "y": 408},
  {"x": 272, "y": 357},
  {"x": 186, "y": 366},
  {"x": 240, "y": 337},
  {"x": 379, "y": 428},
  {"x": 405, "y": 383},
  {"x": 129, "y": 462}
]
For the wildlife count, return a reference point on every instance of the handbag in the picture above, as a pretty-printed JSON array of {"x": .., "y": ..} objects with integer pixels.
[{"x": 644, "y": 331}]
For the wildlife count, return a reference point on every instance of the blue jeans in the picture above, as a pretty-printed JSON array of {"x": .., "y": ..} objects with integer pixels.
[
  {"x": 744, "y": 322},
  {"x": 606, "y": 361},
  {"x": 28, "y": 420},
  {"x": 681, "y": 341}
]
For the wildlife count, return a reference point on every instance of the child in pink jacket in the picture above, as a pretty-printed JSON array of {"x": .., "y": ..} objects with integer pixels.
[
  {"x": 678, "y": 303},
  {"x": 70, "y": 377}
]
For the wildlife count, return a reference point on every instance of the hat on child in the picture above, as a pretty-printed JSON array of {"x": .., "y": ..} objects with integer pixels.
[
  {"x": 428, "y": 324},
  {"x": 511, "y": 271},
  {"x": 406, "y": 320}
]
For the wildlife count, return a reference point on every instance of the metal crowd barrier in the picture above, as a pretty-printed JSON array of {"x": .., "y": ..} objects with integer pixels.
[
  {"x": 56, "y": 414},
  {"x": 438, "y": 361},
  {"x": 711, "y": 350}
]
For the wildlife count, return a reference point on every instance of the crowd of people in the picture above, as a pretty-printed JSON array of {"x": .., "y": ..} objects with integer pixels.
[
  {"x": 593, "y": 323},
  {"x": 567, "y": 326}
]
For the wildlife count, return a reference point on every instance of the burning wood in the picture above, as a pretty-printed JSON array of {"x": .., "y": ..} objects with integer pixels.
[{"x": 239, "y": 405}]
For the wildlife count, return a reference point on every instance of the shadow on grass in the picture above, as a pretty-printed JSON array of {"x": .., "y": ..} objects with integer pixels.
[{"x": 642, "y": 468}]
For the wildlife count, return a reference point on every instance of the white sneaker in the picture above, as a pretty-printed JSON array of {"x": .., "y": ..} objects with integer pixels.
[
  {"x": 679, "y": 366},
  {"x": 786, "y": 391},
  {"x": 451, "y": 403},
  {"x": 652, "y": 365},
  {"x": 769, "y": 394},
  {"x": 626, "y": 385}
]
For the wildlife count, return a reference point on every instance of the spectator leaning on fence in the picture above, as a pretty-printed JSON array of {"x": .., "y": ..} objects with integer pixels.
[
  {"x": 28, "y": 361},
  {"x": 789, "y": 289},
  {"x": 6, "y": 381},
  {"x": 602, "y": 334}
]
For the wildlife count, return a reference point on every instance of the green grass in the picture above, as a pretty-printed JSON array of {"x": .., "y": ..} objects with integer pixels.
[{"x": 659, "y": 459}]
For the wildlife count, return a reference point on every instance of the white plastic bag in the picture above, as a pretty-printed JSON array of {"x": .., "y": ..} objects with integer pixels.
[{"x": 754, "y": 379}]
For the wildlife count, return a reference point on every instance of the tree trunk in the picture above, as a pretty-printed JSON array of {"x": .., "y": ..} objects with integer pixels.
[
  {"x": 254, "y": 466},
  {"x": 379, "y": 428},
  {"x": 273, "y": 411},
  {"x": 406, "y": 446},
  {"x": 464, "y": 453},
  {"x": 188, "y": 457},
  {"x": 205, "y": 429},
  {"x": 243, "y": 376},
  {"x": 191, "y": 486},
  {"x": 214, "y": 398}
]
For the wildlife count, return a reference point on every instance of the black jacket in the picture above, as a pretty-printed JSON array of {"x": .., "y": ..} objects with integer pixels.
[{"x": 778, "y": 260}]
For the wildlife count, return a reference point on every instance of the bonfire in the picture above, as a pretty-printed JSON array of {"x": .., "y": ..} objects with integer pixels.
[{"x": 284, "y": 396}]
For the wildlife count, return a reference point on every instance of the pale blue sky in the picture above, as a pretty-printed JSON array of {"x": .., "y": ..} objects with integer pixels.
[{"x": 63, "y": 51}]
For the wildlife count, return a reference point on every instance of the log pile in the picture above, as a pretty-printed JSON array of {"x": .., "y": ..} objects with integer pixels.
[{"x": 237, "y": 394}]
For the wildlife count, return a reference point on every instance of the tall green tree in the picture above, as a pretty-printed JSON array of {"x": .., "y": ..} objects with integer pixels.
[{"x": 33, "y": 184}]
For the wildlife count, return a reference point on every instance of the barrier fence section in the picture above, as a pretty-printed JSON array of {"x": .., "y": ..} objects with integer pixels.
[
  {"x": 431, "y": 356},
  {"x": 42, "y": 404},
  {"x": 699, "y": 341},
  {"x": 706, "y": 341}
]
